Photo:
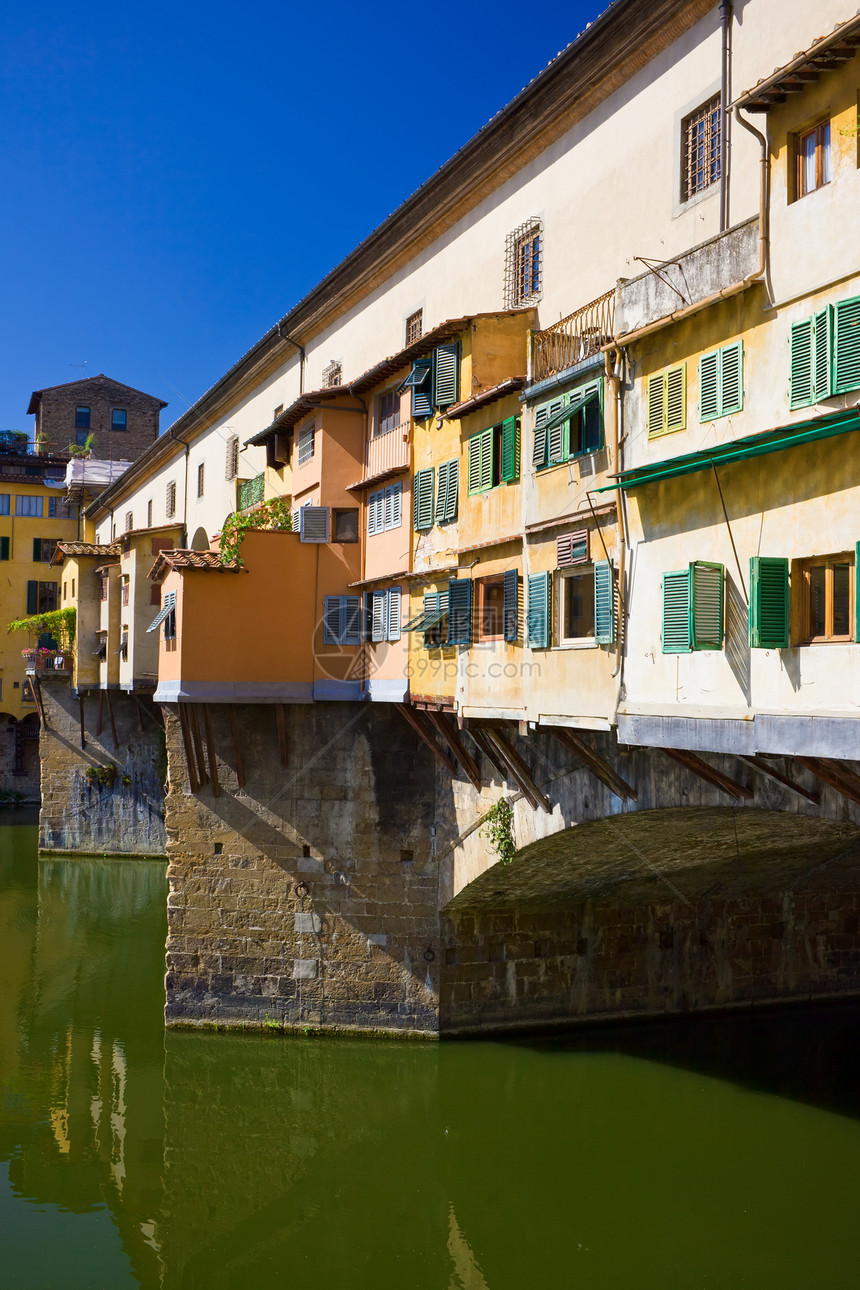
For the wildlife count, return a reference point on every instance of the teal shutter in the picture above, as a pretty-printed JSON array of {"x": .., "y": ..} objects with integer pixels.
[
  {"x": 460, "y": 611},
  {"x": 422, "y": 402},
  {"x": 706, "y": 589},
  {"x": 846, "y": 346},
  {"x": 604, "y": 603},
  {"x": 32, "y": 597},
  {"x": 422, "y": 502},
  {"x": 511, "y": 605},
  {"x": 822, "y": 332},
  {"x": 769, "y": 602},
  {"x": 802, "y": 387},
  {"x": 475, "y": 464},
  {"x": 731, "y": 378},
  {"x": 539, "y": 448},
  {"x": 37, "y": 550},
  {"x": 538, "y": 614},
  {"x": 486, "y": 460},
  {"x": 4, "y": 548},
  {"x": 442, "y": 491},
  {"x": 676, "y": 612},
  {"x": 453, "y": 489},
  {"x": 446, "y": 375},
  {"x": 510, "y": 449},
  {"x": 592, "y": 425},
  {"x": 558, "y": 433},
  {"x": 709, "y": 380}
]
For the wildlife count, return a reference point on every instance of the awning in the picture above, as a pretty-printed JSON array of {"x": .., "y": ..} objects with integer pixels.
[
  {"x": 426, "y": 619},
  {"x": 570, "y": 410},
  {"x": 740, "y": 450}
]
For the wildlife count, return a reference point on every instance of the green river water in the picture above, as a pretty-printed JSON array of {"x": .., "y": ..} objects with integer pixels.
[{"x": 706, "y": 1154}]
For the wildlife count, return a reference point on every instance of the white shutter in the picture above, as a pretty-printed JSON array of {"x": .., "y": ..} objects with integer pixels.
[
  {"x": 377, "y": 630},
  {"x": 394, "y": 613}
]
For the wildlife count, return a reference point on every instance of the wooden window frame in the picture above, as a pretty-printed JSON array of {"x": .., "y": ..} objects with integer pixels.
[
  {"x": 414, "y": 328},
  {"x": 387, "y": 417},
  {"x": 524, "y": 267},
  {"x": 701, "y": 129},
  {"x": 201, "y": 479},
  {"x": 337, "y": 513},
  {"x": 484, "y": 585},
  {"x": 306, "y": 443},
  {"x": 823, "y": 154},
  {"x": 802, "y": 569}
]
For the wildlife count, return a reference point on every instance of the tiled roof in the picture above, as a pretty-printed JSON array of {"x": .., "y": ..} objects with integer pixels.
[
  {"x": 202, "y": 560},
  {"x": 823, "y": 55},
  {"x": 84, "y": 548}
]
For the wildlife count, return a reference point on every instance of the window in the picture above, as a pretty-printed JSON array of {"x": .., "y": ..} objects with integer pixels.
[
  {"x": 167, "y": 616},
  {"x": 201, "y": 478},
  {"x": 129, "y": 521},
  {"x": 43, "y": 550},
  {"x": 826, "y": 599},
  {"x": 118, "y": 419},
  {"x": 431, "y": 620},
  {"x": 305, "y": 443},
  {"x": 388, "y": 412},
  {"x": 460, "y": 611},
  {"x": 5, "y": 503},
  {"x": 825, "y": 353},
  {"x": 123, "y": 644},
  {"x": 170, "y": 500},
  {"x": 494, "y": 456},
  {"x": 103, "y": 587},
  {"x": 446, "y": 495},
  {"x": 332, "y": 374},
  {"x": 231, "y": 465},
  {"x": 384, "y": 509},
  {"x": 812, "y": 159},
  {"x": 667, "y": 401},
  {"x": 314, "y": 524},
  {"x": 277, "y": 412},
  {"x": 149, "y": 514},
  {"x": 414, "y": 326},
  {"x": 693, "y": 608},
  {"x": 434, "y": 381},
  {"x": 82, "y": 418},
  {"x": 28, "y": 506},
  {"x": 52, "y": 507},
  {"x": 383, "y": 615},
  {"x": 721, "y": 383},
  {"x": 42, "y": 597},
  {"x": 125, "y": 585},
  {"x": 700, "y": 148},
  {"x": 346, "y": 525},
  {"x": 524, "y": 264},
  {"x": 570, "y": 426},
  {"x": 576, "y": 608},
  {"x": 491, "y": 609},
  {"x": 422, "y": 498},
  {"x": 572, "y": 548},
  {"x": 342, "y": 620},
  {"x": 5, "y": 548}
]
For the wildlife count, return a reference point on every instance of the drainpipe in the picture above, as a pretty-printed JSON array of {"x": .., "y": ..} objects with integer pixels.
[
  {"x": 763, "y": 200},
  {"x": 612, "y": 361},
  {"x": 725, "y": 119}
]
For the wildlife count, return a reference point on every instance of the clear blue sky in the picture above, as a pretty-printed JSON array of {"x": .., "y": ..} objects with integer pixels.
[{"x": 175, "y": 177}]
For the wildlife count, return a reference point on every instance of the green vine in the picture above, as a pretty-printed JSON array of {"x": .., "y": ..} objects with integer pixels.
[
  {"x": 498, "y": 829},
  {"x": 102, "y": 776},
  {"x": 274, "y": 515},
  {"x": 59, "y": 623},
  {"x": 81, "y": 449}
]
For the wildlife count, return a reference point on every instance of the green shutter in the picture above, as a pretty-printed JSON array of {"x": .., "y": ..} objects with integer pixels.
[
  {"x": 475, "y": 464},
  {"x": 37, "y": 550},
  {"x": 487, "y": 460},
  {"x": 709, "y": 382},
  {"x": 446, "y": 495},
  {"x": 460, "y": 611},
  {"x": 422, "y": 403},
  {"x": 604, "y": 603},
  {"x": 802, "y": 387},
  {"x": 511, "y": 605},
  {"x": 706, "y": 587},
  {"x": 4, "y": 548},
  {"x": 856, "y": 589},
  {"x": 769, "y": 603},
  {"x": 676, "y": 612},
  {"x": 539, "y": 449},
  {"x": 510, "y": 449},
  {"x": 731, "y": 378},
  {"x": 446, "y": 375},
  {"x": 431, "y": 606},
  {"x": 538, "y": 614},
  {"x": 558, "y": 434},
  {"x": 822, "y": 331},
  {"x": 422, "y": 504},
  {"x": 32, "y": 597},
  {"x": 846, "y": 345},
  {"x": 442, "y": 492}
]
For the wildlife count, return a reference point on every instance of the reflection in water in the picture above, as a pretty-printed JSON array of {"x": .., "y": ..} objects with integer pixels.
[{"x": 708, "y": 1154}]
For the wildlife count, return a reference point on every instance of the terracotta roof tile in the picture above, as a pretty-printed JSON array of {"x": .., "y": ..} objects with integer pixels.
[{"x": 200, "y": 560}]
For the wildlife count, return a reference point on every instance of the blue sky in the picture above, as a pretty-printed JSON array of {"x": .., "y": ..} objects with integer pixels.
[{"x": 176, "y": 177}]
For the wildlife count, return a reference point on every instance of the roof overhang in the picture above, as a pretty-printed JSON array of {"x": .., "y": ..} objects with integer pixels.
[{"x": 823, "y": 55}]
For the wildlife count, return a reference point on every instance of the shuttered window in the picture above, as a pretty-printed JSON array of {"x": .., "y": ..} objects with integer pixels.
[
  {"x": 481, "y": 462},
  {"x": 460, "y": 611},
  {"x": 342, "y": 620},
  {"x": 810, "y": 378},
  {"x": 511, "y": 608},
  {"x": 721, "y": 382},
  {"x": 384, "y": 612},
  {"x": 769, "y": 619},
  {"x": 667, "y": 401},
  {"x": 510, "y": 468},
  {"x": 393, "y": 614},
  {"x": 494, "y": 456},
  {"x": 572, "y": 548},
  {"x": 538, "y": 612},
  {"x": 693, "y": 608},
  {"x": 231, "y": 465},
  {"x": 420, "y": 382},
  {"x": 384, "y": 509},
  {"x": 604, "y": 603},
  {"x": 846, "y": 340},
  {"x": 446, "y": 494},
  {"x": 170, "y": 500},
  {"x": 314, "y": 524},
  {"x": 569, "y": 426},
  {"x": 540, "y": 448},
  {"x": 422, "y": 498},
  {"x": 446, "y": 375}
]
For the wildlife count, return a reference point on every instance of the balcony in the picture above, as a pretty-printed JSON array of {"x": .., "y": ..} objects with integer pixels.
[
  {"x": 389, "y": 452},
  {"x": 578, "y": 336},
  {"x": 249, "y": 492},
  {"x": 58, "y": 662}
]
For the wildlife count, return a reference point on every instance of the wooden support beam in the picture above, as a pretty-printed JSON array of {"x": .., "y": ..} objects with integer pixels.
[
  {"x": 189, "y": 751},
  {"x": 732, "y": 787},
  {"x": 770, "y": 772},
  {"x": 197, "y": 743},
  {"x": 112, "y": 721},
  {"x": 830, "y": 772},
  {"x": 426, "y": 734},
  {"x": 599, "y": 766},
  {"x": 455, "y": 743},
  {"x": 139, "y": 706},
  {"x": 99, "y": 718},
  {"x": 81, "y": 715},
  {"x": 237, "y": 747},
  {"x": 210, "y": 748},
  {"x": 36, "y": 686},
  {"x": 487, "y": 749},
  {"x": 280, "y": 717},
  {"x": 519, "y": 769}
]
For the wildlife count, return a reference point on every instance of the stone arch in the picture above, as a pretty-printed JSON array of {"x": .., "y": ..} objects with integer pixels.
[{"x": 200, "y": 541}]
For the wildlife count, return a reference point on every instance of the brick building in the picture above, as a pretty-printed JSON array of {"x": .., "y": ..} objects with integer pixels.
[{"x": 121, "y": 420}]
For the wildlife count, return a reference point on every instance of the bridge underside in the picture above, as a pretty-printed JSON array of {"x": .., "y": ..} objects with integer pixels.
[{"x": 655, "y": 913}]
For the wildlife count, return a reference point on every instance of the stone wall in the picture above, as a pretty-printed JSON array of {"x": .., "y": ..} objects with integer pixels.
[
  {"x": 78, "y": 814},
  {"x": 306, "y": 898},
  {"x": 55, "y": 421}
]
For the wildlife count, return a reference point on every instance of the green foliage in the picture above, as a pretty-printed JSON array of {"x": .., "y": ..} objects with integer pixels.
[
  {"x": 59, "y": 623},
  {"x": 13, "y": 441},
  {"x": 102, "y": 776},
  {"x": 274, "y": 515},
  {"x": 81, "y": 449},
  {"x": 498, "y": 829}
]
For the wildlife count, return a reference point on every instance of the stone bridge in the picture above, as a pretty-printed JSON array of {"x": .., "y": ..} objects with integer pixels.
[{"x": 328, "y": 869}]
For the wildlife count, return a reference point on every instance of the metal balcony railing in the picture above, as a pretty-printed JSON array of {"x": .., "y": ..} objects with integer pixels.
[
  {"x": 574, "y": 338},
  {"x": 387, "y": 451},
  {"x": 45, "y": 660},
  {"x": 249, "y": 492}
]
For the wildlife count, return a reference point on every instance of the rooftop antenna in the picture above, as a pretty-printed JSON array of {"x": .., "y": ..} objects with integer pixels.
[{"x": 83, "y": 365}]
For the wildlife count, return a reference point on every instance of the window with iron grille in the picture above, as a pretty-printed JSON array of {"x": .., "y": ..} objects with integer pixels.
[
  {"x": 201, "y": 478},
  {"x": 524, "y": 264},
  {"x": 170, "y": 500},
  {"x": 129, "y": 521},
  {"x": 415, "y": 326},
  {"x": 149, "y": 514},
  {"x": 700, "y": 148},
  {"x": 232, "y": 462},
  {"x": 332, "y": 374},
  {"x": 305, "y": 444},
  {"x": 103, "y": 587}
]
